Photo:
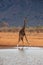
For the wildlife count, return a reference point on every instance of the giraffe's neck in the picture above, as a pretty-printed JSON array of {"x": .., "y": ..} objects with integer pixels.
[{"x": 24, "y": 25}]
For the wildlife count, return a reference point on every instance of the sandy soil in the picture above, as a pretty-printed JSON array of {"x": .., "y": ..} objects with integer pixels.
[{"x": 11, "y": 38}]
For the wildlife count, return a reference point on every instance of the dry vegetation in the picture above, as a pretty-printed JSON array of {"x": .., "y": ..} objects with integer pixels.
[{"x": 9, "y": 36}]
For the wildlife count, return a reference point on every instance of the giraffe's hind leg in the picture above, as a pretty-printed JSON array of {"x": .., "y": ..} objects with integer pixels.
[
  {"x": 22, "y": 39},
  {"x": 20, "y": 48},
  {"x": 18, "y": 42}
]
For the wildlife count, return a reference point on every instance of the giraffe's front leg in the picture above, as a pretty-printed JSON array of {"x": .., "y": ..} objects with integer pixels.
[
  {"x": 22, "y": 41},
  {"x": 28, "y": 43}
]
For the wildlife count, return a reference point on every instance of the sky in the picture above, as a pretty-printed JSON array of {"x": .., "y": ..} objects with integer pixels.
[{"x": 14, "y": 12}]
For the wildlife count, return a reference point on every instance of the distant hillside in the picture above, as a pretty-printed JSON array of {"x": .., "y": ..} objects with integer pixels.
[{"x": 4, "y": 24}]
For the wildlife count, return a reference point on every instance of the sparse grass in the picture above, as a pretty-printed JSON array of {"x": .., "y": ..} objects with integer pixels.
[
  {"x": 9, "y": 36},
  {"x": 16, "y": 29}
]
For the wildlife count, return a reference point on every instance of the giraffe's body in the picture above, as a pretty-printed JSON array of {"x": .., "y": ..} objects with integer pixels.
[{"x": 22, "y": 32}]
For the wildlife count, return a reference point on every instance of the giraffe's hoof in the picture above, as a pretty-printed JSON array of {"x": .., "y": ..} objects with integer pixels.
[
  {"x": 17, "y": 45},
  {"x": 21, "y": 48}
]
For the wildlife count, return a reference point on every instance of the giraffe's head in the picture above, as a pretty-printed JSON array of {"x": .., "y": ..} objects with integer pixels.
[{"x": 25, "y": 20}]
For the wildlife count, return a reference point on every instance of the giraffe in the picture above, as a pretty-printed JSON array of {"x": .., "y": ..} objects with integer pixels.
[{"x": 22, "y": 32}]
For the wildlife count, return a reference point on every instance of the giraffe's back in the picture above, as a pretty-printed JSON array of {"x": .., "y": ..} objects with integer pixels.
[{"x": 22, "y": 32}]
